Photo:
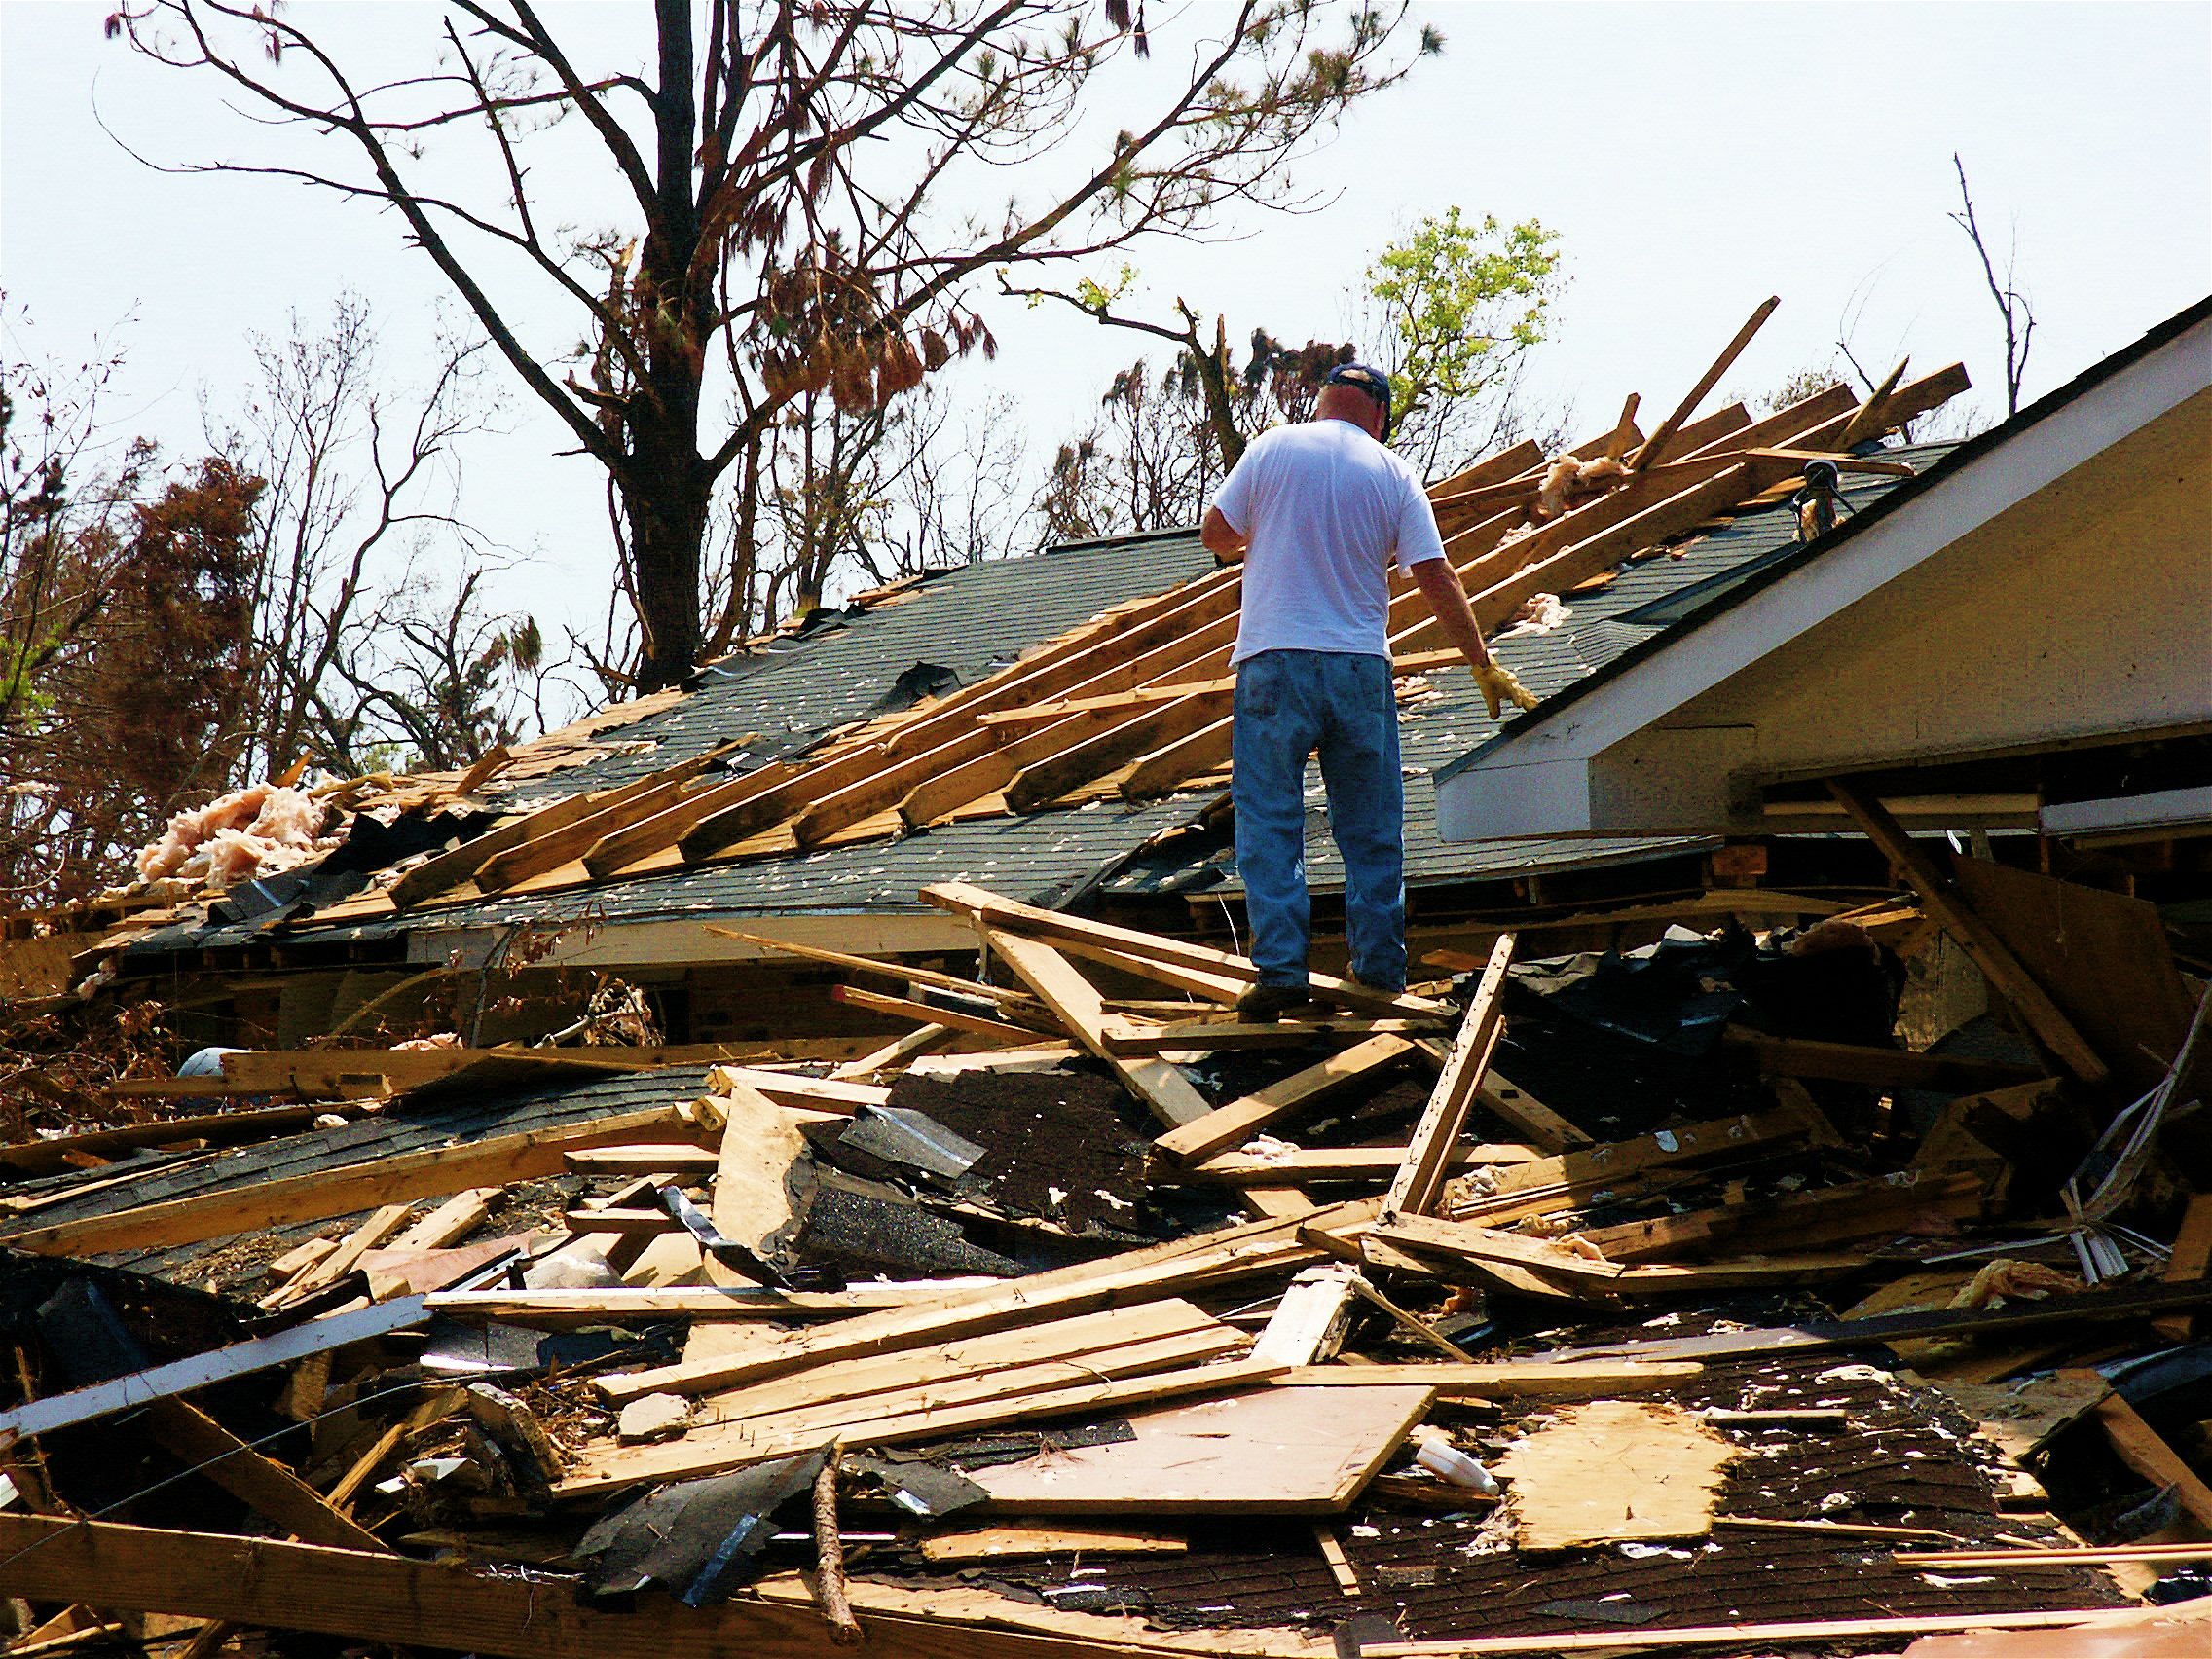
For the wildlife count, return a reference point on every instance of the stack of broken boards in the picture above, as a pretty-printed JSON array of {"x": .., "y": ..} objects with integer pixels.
[{"x": 582, "y": 1408}]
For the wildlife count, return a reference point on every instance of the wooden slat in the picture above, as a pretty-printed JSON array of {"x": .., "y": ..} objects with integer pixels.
[
  {"x": 1239, "y": 1120},
  {"x": 886, "y": 786},
  {"x": 1655, "y": 447},
  {"x": 1975, "y": 937},
  {"x": 1885, "y": 1068},
  {"x": 1419, "y": 1180},
  {"x": 265, "y": 1486},
  {"x": 934, "y": 1014},
  {"x": 1299, "y": 1164}
]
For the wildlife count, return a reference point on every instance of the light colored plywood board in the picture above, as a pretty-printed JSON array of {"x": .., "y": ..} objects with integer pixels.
[
  {"x": 1612, "y": 1471},
  {"x": 1286, "y": 1450}
]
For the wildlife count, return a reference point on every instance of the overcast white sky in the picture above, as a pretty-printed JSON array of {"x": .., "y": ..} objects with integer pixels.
[{"x": 1694, "y": 159}]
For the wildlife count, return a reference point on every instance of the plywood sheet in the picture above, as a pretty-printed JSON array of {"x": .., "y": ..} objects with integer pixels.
[
  {"x": 1611, "y": 1471},
  {"x": 2102, "y": 956},
  {"x": 1296, "y": 1450}
]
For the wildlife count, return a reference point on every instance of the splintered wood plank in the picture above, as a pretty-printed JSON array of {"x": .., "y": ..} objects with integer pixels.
[
  {"x": 1419, "y": 1180},
  {"x": 1975, "y": 937},
  {"x": 1285, "y": 1451},
  {"x": 1655, "y": 447},
  {"x": 2142, "y": 1448},
  {"x": 764, "y": 1178},
  {"x": 1614, "y": 1471}
]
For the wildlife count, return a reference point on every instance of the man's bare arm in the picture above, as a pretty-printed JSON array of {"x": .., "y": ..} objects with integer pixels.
[
  {"x": 1222, "y": 539},
  {"x": 1439, "y": 585}
]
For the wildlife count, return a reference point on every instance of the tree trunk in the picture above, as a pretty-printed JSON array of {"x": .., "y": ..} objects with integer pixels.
[{"x": 668, "y": 525}]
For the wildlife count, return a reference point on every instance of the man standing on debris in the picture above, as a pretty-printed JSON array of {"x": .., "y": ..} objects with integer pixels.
[{"x": 1318, "y": 512}]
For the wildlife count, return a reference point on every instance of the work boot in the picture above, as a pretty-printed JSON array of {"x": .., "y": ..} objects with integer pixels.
[{"x": 1264, "y": 1005}]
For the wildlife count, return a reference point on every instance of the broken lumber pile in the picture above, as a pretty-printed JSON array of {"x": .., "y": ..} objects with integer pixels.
[{"x": 1449, "y": 1321}]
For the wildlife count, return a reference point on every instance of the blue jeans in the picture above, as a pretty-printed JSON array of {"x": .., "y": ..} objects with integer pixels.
[{"x": 1288, "y": 705}]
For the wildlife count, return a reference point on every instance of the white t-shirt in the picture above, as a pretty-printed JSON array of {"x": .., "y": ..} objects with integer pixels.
[{"x": 1325, "y": 508}]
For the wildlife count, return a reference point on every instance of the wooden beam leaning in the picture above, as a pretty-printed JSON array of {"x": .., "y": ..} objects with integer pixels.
[
  {"x": 1654, "y": 447},
  {"x": 1419, "y": 1180},
  {"x": 431, "y": 1173},
  {"x": 1975, "y": 937}
]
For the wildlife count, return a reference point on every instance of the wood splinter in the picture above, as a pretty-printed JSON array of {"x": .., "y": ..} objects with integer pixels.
[{"x": 830, "y": 1557}]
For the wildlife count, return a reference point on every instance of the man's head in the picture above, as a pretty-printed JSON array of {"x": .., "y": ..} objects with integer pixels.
[{"x": 1355, "y": 393}]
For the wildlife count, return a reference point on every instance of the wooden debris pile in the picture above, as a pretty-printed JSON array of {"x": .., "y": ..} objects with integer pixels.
[{"x": 1653, "y": 1302}]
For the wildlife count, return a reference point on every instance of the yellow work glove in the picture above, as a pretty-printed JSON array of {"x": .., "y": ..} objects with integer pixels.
[{"x": 1498, "y": 687}]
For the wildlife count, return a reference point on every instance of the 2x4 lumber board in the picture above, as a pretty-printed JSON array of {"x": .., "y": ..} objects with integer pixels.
[
  {"x": 1908, "y": 402},
  {"x": 1816, "y": 1337},
  {"x": 1217, "y": 988},
  {"x": 381, "y": 1227},
  {"x": 1564, "y": 1180},
  {"x": 1265, "y": 1245},
  {"x": 451, "y": 1222},
  {"x": 2143, "y": 1450},
  {"x": 1128, "y": 1037},
  {"x": 1785, "y": 425},
  {"x": 1479, "y": 1380},
  {"x": 198, "y": 1371},
  {"x": 886, "y": 786},
  {"x": 1885, "y": 1068},
  {"x": 902, "y": 972},
  {"x": 434, "y": 1172},
  {"x": 1073, "y": 1338},
  {"x": 801, "y": 782},
  {"x": 613, "y": 1306},
  {"x": 1237, "y": 1121},
  {"x": 1831, "y": 1215},
  {"x": 557, "y": 844},
  {"x": 1297, "y": 1166},
  {"x": 1043, "y": 782},
  {"x": 1862, "y": 424},
  {"x": 1174, "y": 1098},
  {"x": 1566, "y": 1274},
  {"x": 990, "y": 909},
  {"x": 1655, "y": 447},
  {"x": 262, "y": 1484},
  {"x": 1975, "y": 937},
  {"x": 216, "y": 1128},
  {"x": 1220, "y": 1379},
  {"x": 389, "y": 1598},
  {"x": 1789, "y": 1633},
  {"x": 1522, "y": 457},
  {"x": 450, "y": 868},
  {"x": 926, "y": 1014},
  {"x": 789, "y": 1088},
  {"x": 1420, "y": 1179}
]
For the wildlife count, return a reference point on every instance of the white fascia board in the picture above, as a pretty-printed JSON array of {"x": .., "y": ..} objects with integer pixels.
[
  {"x": 1515, "y": 802},
  {"x": 2160, "y": 809},
  {"x": 1698, "y": 660}
]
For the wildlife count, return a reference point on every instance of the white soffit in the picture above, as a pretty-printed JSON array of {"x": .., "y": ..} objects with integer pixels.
[{"x": 1492, "y": 798}]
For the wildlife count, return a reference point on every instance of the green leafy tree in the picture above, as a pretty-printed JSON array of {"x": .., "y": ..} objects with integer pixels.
[{"x": 1451, "y": 310}]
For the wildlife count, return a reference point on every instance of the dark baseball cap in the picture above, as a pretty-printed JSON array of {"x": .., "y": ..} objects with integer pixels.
[{"x": 1373, "y": 382}]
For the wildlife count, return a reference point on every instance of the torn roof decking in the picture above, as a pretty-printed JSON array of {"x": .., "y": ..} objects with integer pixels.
[{"x": 970, "y": 622}]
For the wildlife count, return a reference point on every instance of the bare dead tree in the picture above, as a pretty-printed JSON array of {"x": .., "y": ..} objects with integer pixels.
[
  {"x": 799, "y": 179},
  {"x": 2012, "y": 305}
]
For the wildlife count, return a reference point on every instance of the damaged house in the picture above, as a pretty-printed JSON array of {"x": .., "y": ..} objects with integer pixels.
[{"x": 776, "y": 1165}]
